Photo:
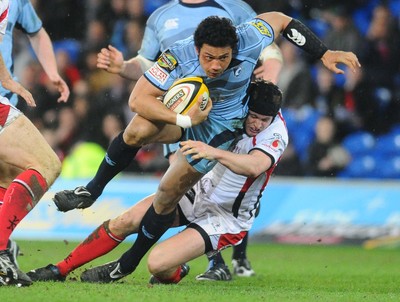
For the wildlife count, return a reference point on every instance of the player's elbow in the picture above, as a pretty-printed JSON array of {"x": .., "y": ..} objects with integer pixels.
[
  {"x": 133, "y": 103},
  {"x": 253, "y": 172}
]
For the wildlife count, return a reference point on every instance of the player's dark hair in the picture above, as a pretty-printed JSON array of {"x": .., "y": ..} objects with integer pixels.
[
  {"x": 264, "y": 97},
  {"x": 217, "y": 32}
]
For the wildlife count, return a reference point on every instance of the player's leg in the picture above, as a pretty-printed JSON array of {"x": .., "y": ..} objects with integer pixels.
[
  {"x": 101, "y": 241},
  {"x": 178, "y": 179},
  {"x": 8, "y": 173},
  {"x": 241, "y": 265},
  {"x": 24, "y": 147},
  {"x": 120, "y": 154},
  {"x": 166, "y": 262}
]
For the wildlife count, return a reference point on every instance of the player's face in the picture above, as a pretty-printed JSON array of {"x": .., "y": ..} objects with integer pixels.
[
  {"x": 214, "y": 60},
  {"x": 255, "y": 123}
]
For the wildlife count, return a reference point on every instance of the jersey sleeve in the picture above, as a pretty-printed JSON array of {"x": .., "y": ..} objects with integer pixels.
[
  {"x": 28, "y": 21},
  {"x": 151, "y": 46},
  {"x": 254, "y": 36},
  {"x": 163, "y": 73},
  {"x": 274, "y": 140}
]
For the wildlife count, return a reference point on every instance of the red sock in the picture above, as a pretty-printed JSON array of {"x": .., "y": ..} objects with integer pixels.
[
  {"x": 175, "y": 278},
  {"x": 21, "y": 196},
  {"x": 2, "y": 192},
  {"x": 100, "y": 242}
]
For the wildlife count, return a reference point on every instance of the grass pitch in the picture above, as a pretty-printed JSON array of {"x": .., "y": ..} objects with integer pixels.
[{"x": 283, "y": 273}]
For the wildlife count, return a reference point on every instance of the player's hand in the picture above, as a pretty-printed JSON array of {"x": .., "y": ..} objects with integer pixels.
[
  {"x": 269, "y": 70},
  {"x": 110, "y": 60},
  {"x": 17, "y": 88},
  {"x": 62, "y": 88},
  {"x": 331, "y": 58},
  {"x": 197, "y": 149},
  {"x": 196, "y": 114}
]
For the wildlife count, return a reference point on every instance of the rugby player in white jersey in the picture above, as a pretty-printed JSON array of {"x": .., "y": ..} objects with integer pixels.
[
  {"x": 22, "y": 15},
  {"x": 218, "y": 211},
  {"x": 22, "y": 147}
]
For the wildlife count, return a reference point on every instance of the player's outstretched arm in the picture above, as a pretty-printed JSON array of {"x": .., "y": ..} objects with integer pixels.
[
  {"x": 301, "y": 36},
  {"x": 44, "y": 51}
]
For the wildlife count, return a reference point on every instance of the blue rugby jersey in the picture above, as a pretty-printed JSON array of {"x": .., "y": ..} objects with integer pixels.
[
  {"x": 176, "y": 20},
  {"x": 23, "y": 16},
  {"x": 229, "y": 89}
]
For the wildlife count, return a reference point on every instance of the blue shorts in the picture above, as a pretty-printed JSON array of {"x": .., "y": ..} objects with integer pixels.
[
  {"x": 169, "y": 149},
  {"x": 221, "y": 134}
]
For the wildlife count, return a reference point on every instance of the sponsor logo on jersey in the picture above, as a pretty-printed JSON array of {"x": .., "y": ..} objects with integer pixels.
[
  {"x": 167, "y": 61},
  {"x": 158, "y": 74},
  {"x": 171, "y": 24},
  {"x": 237, "y": 71},
  {"x": 297, "y": 37},
  {"x": 275, "y": 143},
  {"x": 261, "y": 28}
]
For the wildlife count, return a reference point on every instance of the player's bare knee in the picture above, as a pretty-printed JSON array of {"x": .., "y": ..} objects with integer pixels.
[
  {"x": 135, "y": 137},
  {"x": 156, "y": 263},
  {"x": 51, "y": 169}
]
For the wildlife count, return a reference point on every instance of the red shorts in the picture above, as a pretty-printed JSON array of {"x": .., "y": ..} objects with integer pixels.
[{"x": 8, "y": 113}]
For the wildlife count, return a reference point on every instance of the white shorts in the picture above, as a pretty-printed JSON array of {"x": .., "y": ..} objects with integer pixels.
[
  {"x": 8, "y": 113},
  {"x": 221, "y": 227}
]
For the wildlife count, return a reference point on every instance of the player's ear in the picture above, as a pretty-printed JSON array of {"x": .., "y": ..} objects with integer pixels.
[{"x": 197, "y": 50}]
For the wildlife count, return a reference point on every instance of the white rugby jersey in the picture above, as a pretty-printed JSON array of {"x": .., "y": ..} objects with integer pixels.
[
  {"x": 4, "y": 4},
  {"x": 237, "y": 194}
]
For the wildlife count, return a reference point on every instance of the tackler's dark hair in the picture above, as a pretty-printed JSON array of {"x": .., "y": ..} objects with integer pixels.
[{"x": 264, "y": 98}]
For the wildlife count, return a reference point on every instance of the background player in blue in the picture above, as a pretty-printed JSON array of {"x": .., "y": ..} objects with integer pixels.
[
  {"x": 23, "y": 16},
  {"x": 171, "y": 22},
  {"x": 225, "y": 57}
]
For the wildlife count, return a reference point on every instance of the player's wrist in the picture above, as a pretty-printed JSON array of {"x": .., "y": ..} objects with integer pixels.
[
  {"x": 122, "y": 69},
  {"x": 183, "y": 121}
]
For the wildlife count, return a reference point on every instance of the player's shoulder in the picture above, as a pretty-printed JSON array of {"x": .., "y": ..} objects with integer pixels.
[
  {"x": 239, "y": 10},
  {"x": 170, "y": 8},
  {"x": 278, "y": 126},
  {"x": 236, "y": 4}
]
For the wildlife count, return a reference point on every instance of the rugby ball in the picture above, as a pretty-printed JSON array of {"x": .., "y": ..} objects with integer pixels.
[{"x": 184, "y": 93}]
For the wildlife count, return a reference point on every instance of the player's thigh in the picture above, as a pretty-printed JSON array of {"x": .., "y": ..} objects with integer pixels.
[
  {"x": 177, "y": 180},
  {"x": 183, "y": 247},
  {"x": 24, "y": 147},
  {"x": 141, "y": 131}
]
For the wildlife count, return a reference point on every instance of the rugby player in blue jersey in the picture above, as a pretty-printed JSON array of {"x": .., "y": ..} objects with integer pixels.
[
  {"x": 171, "y": 22},
  {"x": 225, "y": 56}
]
